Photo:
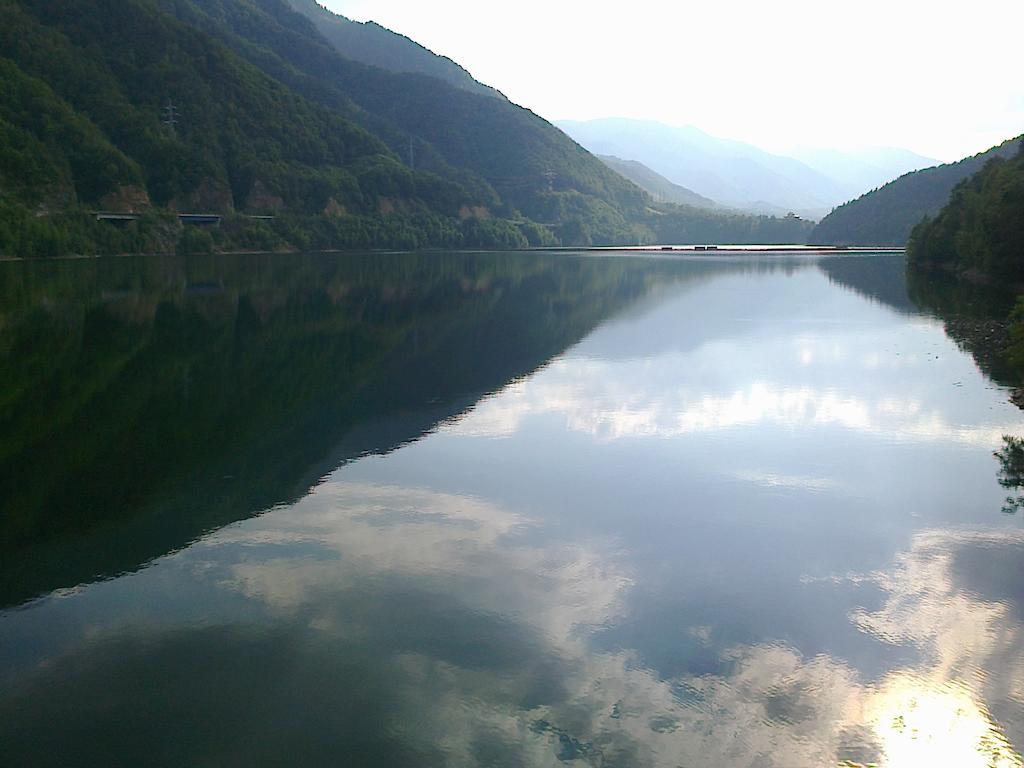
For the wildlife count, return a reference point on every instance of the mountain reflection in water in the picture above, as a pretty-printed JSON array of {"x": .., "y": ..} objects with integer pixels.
[{"x": 501, "y": 509}]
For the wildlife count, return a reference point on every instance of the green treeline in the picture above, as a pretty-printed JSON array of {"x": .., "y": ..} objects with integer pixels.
[
  {"x": 980, "y": 232},
  {"x": 373, "y": 44},
  {"x": 976, "y": 244},
  {"x": 270, "y": 118},
  {"x": 886, "y": 216}
]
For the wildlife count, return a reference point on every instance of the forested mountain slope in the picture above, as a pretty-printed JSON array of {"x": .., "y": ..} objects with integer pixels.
[
  {"x": 980, "y": 231},
  {"x": 373, "y": 44},
  {"x": 118, "y": 67},
  {"x": 886, "y": 215},
  {"x": 656, "y": 185},
  {"x": 534, "y": 168},
  {"x": 87, "y": 86},
  {"x": 242, "y": 107}
]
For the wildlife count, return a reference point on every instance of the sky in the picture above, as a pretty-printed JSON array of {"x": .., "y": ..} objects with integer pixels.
[{"x": 939, "y": 77}]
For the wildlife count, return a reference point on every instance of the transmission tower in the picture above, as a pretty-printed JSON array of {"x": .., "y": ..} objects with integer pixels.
[{"x": 171, "y": 116}]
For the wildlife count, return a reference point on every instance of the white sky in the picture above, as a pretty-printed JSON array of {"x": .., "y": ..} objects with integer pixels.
[{"x": 941, "y": 77}]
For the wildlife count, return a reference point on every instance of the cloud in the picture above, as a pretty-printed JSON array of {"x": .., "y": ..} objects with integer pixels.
[
  {"x": 591, "y": 397},
  {"x": 365, "y": 531},
  {"x": 974, "y": 641},
  {"x": 773, "y": 707},
  {"x": 438, "y": 624}
]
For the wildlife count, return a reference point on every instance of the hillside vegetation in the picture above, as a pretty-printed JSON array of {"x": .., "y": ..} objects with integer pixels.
[
  {"x": 373, "y": 44},
  {"x": 656, "y": 185},
  {"x": 271, "y": 118},
  {"x": 885, "y": 216},
  {"x": 980, "y": 231},
  {"x": 967, "y": 264}
]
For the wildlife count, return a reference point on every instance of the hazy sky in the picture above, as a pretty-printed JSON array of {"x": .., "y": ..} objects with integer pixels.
[{"x": 943, "y": 78}]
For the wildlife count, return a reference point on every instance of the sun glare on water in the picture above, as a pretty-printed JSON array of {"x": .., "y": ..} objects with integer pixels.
[{"x": 927, "y": 725}]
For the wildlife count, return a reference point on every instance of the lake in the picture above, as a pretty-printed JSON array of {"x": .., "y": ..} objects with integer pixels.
[{"x": 504, "y": 510}]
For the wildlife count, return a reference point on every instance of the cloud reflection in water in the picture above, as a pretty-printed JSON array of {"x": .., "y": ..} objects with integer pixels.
[
  {"x": 394, "y": 615},
  {"x": 773, "y": 706},
  {"x": 595, "y": 399}
]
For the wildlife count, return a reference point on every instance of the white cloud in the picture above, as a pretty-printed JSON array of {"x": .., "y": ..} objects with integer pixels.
[
  {"x": 773, "y": 707},
  {"x": 594, "y": 397}
]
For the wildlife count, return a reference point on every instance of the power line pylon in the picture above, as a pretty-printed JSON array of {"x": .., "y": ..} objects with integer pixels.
[{"x": 171, "y": 116}]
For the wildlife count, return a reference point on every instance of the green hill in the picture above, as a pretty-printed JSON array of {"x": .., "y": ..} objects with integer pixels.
[
  {"x": 104, "y": 71},
  {"x": 373, "y": 44},
  {"x": 530, "y": 167},
  {"x": 886, "y": 215},
  {"x": 272, "y": 119},
  {"x": 980, "y": 231},
  {"x": 967, "y": 265}
]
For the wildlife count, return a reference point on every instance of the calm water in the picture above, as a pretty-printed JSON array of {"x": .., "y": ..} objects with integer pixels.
[{"x": 500, "y": 510}]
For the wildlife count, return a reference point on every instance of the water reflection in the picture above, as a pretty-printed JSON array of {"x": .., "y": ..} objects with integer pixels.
[
  {"x": 424, "y": 627},
  {"x": 148, "y": 400},
  {"x": 1011, "y": 471},
  {"x": 974, "y": 316},
  {"x": 972, "y": 638},
  {"x": 592, "y": 401},
  {"x": 765, "y": 538}
]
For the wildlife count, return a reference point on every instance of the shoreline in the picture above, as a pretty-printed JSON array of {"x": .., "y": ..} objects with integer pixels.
[{"x": 647, "y": 250}]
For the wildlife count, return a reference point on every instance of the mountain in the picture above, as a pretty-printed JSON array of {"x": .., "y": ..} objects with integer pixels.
[
  {"x": 980, "y": 231},
  {"x": 272, "y": 119},
  {"x": 656, "y": 185},
  {"x": 733, "y": 173},
  {"x": 517, "y": 162},
  {"x": 864, "y": 169},
  {"x": 373, "y": 44},
  {"x": 84, "y": 104},
  {"x": 242, "y": 107},
  {"x": 885, "y": 216}
]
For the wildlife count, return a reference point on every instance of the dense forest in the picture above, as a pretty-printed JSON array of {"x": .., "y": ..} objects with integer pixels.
[
  {"x": 885, "y": 216},
  {"x": 246, "y": 109},
  {"x": 967, "y": 263},
  {"x": 980, "y": 231},
  {"x": 373, "y": 44}
]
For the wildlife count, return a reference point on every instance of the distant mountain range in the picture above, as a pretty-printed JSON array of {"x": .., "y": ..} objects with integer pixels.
[
  {"x": 656, "y": 185},
  {"x": 740, "y": 175},
  {"x": 885, "y": 216},
  {"x": 864, "y": 169}
]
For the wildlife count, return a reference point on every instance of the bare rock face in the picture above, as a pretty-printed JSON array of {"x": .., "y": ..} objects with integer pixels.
[
  {"x": 262, "y": 200},
  {"x": 53, "y": 198},
  {"x": 334, "y": 209},
  {"x": 389, "y": 205},
  {"x": 211, "y": 196},
  {"x": 474, "y": 212},
  {"x": 126, "y": 199}
]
